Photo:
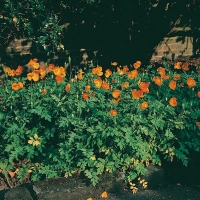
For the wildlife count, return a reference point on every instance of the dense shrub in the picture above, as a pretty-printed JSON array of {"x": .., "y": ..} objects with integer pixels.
[{"x": 122, "y": 119}]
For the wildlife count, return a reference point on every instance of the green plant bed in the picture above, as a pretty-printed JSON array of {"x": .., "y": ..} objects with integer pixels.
[{"x": 122, "y": 119}]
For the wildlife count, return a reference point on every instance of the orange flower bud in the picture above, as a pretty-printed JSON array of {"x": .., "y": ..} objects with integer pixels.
[
  {"x": 44, "y": 91},
  {"x": 85, "y": 96},
  {"x": 113, "y": 112},
  {"x": 87, "y": 88},
  {"x": 144, "y": 105},
  {"x": 67, "y": 87},
  {"x": 177, "y": 77},
  {"x": 198, "y": 94}
]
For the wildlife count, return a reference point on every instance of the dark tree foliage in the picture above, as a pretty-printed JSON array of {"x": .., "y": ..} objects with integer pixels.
[{"x": 128, "y": 29}]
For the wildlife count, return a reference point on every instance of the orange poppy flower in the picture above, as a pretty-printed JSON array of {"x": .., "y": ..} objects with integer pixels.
[
  {"x": 98, "y": 82},
  {"x": 11, "y": 72},
  {"x": 108, "y": 73},
  {"x": 67, "y": 87},
  {"x": 35, "y": 77},
  {"x": 198, "y": 94},
  {"x": 120, "y": 71},
  {"x": 137, "y": 94},
  {"x": 125, "y": 68},
  {"x": 198, "y": 124},
  {"x": 161, "y": 70},
  {"x": 144, "y": 105},
  {"x": 59, "y": 79},
  {"x": 185, "y": 66},
  {"x": 116, "y": 93},
  {"x": 97, "y": 70},
  {"x": 44, "y": 91},
  {"x": 85, "y": 96},
  {"x": 35, "y": 65},
  {"x": 173, "y": 101},
  {"x": 172, "y": 85},
  {"x": 113, "y": 112},
  {"x": 20, "y": 85},
  {"x": 18, "y": 72},
  {"x": 51, "y": 67},
  {"x": 177, "y": 77},
  {"x": 15, "y": 86},
  {"x": 125, "y": 85},
  {"x": 137, "y": 64},
  {"x": 132, "y": 74},
  {"x": 57, "y": 71},
  {"x": 114, "y": 64},
  {"x": 177, "y": 65},
  {"x": 42, "y": 71},
  {"x": 105, "y": 86},
  {"x": 87, "y": 88},
  {"x": 144, "y": 86},
  {"x": 29, "y": 76},
  {"x": 157, "y": 80},
  {"x": 80, "y": 76},
  {"x": 191, "y": 82}
]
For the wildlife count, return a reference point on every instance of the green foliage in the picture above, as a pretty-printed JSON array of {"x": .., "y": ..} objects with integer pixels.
[{"x": 54, "y": 128}]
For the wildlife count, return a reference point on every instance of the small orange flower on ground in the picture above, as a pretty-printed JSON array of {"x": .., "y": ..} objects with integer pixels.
[
  {"x": 157, "y": 80},
  {"x": 137, "y": 64},
  {"x": 87, "y": 88},
  {"x": 113, "y": 112},
  {"x": 132, "y": 74},
  {"x": 108, "y": 73},
  {"x": 125, "y": 85},
  {"x": 67, "y": 87},
  {"x": 198, "y": 124},
  {"x": 172, "y": 85},
  {"x": 137, "y": 94},
  {"x": 185, "y": 66},
  {"x": 191, "y": 82},
  {"x": 177, "y": 77},
  {"x": 59, "y": 79},
  {"x": 11, "y": 72},
  {"x": 198, "y": 94},
  {"x": 144, "y": 105},
  {"x": 44, "y": 91},
  {"x": 177, "y": 65},
  {"x": 114, "y": 64},
  {"x": 144, "y": 86},
  {"x": 116, "y": 93},
  {"x": 105, "y": 86},
  {"x": 98, "y": 82},
  {"x": 7, "y": 69},
  {"x": 116, "y": 101},
  {"x": 104, "y": 195},
  {"x": 51, "y": 67},
  {"x": 85, "y": 96},
  {"x": 173, "y": 101}
]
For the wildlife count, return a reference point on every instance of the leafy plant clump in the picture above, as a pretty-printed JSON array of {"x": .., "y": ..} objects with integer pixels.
[{"x": 124, "y": 118}]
